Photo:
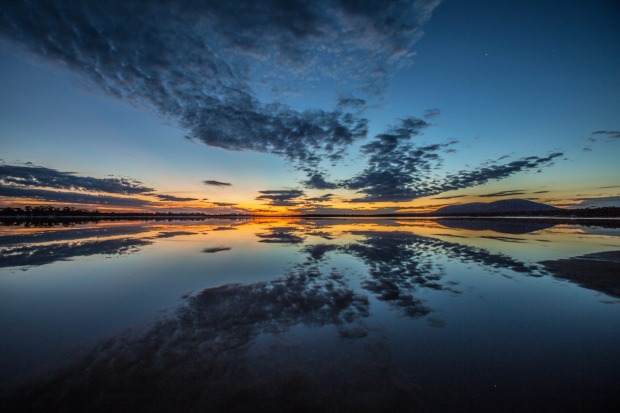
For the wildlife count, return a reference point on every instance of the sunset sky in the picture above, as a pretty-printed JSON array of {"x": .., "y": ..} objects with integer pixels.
[{"x": 308, "y": 106}]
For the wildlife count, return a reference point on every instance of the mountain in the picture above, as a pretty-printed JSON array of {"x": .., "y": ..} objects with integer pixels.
[{"x": 503, "y": 206}]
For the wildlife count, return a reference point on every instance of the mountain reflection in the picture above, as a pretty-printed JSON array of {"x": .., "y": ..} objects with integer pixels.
[
  {"x": 199, "y": 355},
  {"x": 503, "y": 226}
]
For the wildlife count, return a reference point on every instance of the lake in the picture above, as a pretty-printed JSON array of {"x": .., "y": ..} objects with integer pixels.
[{"x": 310, "y": 315}]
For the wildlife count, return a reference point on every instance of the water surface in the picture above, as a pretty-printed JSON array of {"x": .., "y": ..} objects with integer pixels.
[{"x": 309, "y": 315}]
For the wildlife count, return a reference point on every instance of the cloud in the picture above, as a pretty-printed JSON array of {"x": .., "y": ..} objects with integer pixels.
[
  {"x": 195, "y": 63},
  {"x": 284, "y": 197},
  {"x": 398, "y": 170},
  {"x": 51, "y": 185},
  {"x": 610, "y": 134},
  {"x": 71, "y": 197},
  {"x": 600, "y": 202},
  {"x": 317, "y": 181},
  {"x": 351, "y": 102},
  {"x": 450, "y": 197},
  {"x": 173, "y": 198},
  {"x": 322, "y": 198},
  {"x": 511, "y": 192},
  {"x": 466, "y": 179},
  {"x": 216, "y": 183},
  {"x": 224, "y": 204},
  {"x": 432, "y": 113},
  {"x": 41, "y": 177}
]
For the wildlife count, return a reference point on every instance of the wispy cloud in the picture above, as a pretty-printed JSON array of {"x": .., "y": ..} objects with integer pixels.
[
  {"x": 224, "y": 204},
  {"x": 51, "y": 185},
  {"x": 216, "y": 183},
  {"x": 450, "y": 197},
  {"x": 283, "y": 197},
  {"x": 398, "y": 170},
  {"x": 511, "y": 192},
  {"x": 322, "y": 198},
  {"x": 173, "y": 198},
  {"x": 611, "y": 135},
  {"x": 71, "y": 197},
  {"x": 466, "y": 179},
  {"x": 597, "y": 202},
  {"x": 41, "y": 177},
  {"x": 432, "y": 113},
  {"x": 194, "y": 62}
]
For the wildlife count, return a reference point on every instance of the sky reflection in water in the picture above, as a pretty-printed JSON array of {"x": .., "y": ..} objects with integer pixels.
[{"x": 302, "y": 314}]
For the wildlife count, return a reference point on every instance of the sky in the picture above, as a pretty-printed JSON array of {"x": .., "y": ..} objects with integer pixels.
[{"x": 326, "y": 106}]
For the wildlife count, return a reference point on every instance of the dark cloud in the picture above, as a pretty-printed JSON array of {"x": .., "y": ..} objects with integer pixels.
[
  {"x": 432, "y": 113},
  {"x": 71, "y": 197},
  {"x": 216, "y": 183},
  {"x": 450, "y": 197},
  {"x": 511, "y": 192},
  {"x": 322, "y": 198},
  {"x": 48, "y": 184},
  {"x": 351, "y": 102},
  {"x": 597, "y": 202},
  {"x": 610, "y": 134},
  {"x": 284, "y": 197},
  {"x": 466, "y": 179},
  {"x": 398, "y": 170},
  {"x": 194, "y": 62},
  {"x": 318, "y": 181},
  {"x": 41, "y": 177},
  {"x": 173, "y": 198},
  {"x": 224, "y": 204}
]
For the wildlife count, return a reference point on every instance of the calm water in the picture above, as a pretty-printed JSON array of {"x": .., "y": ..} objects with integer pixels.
[{"x": 310, "y": 315}]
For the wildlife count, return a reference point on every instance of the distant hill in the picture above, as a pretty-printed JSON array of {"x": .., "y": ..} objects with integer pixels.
[{"x": 505, "y": 205}]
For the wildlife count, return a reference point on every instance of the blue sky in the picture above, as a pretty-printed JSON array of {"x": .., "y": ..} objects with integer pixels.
[{"x": 327, "y": 106}]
